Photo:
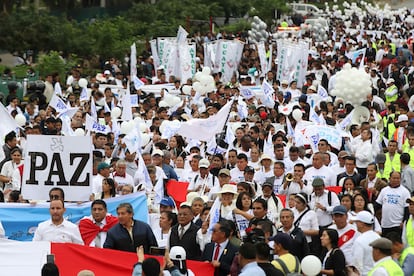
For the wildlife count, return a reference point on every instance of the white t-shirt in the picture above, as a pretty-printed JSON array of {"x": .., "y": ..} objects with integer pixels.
[
  {"x": 362, "y": 252},
  {"x": 323, "y": 172},
  {"x": 393, "y": 201}
]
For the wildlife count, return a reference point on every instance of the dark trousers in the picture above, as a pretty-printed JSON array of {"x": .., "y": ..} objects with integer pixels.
[{"x": 396, "y": 229}]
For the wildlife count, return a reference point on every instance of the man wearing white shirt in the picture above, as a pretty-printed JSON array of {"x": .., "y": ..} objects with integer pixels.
[
  {"x": 204, "y": 181},
  {"x": 189, "y": 175},
  {"x": 293, "y": 159},
  {"x": 103, "y": 172},
  {"x": 347, "y": 232},
  {"x": 57, "y": 229},
  {"x": 362, "y": 252},
  {"x": 237, "y": 173},
  {"x": 120, "y": 175},
  {"x": 318, "y": 170}
]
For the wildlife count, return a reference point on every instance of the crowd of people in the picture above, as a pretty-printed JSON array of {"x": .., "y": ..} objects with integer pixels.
[{"x": 263, "y": 203}]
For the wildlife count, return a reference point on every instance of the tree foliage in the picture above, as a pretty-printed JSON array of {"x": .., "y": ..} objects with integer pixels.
[{"x": 111, "y": 36}]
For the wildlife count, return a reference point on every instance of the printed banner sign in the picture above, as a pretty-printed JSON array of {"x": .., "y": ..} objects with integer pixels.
[{"x": 57, "y": 161}]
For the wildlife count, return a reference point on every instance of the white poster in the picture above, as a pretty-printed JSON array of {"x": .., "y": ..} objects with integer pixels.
[
  {"x": 187, "y": 63},
  {"x": 228, "y": 56},
  {"x": 57, "y": 161},
  {"x": 262, "y": 56}
]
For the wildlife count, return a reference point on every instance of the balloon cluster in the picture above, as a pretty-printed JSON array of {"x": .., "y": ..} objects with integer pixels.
[
  {"x": 169, "y": 101},
  {"x": 319, "y": 29},
  {"x": 203, "y": 82},
  {"x": 128, "y": 126},
  {"x": 258, "y": 31},
  {"x": 352, "y": 85}
]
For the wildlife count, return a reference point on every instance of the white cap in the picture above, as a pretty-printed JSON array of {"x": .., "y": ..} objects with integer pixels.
[
  {"x": 365, "y": 217},
  {"x": 157, "y": 151},
  {"x": 107, "y": 72},
  {"x": 161, "y": 67},
  {"x": 402, "y": 118},
  {"x": 178, "y": 253},
  {"x": 312, "y": 87},
  {"x": 228, "y": 188},
  {"x": 204, "y": 163},
  {"x": 285, "y": 82},
  {"x": 390, "y": 80}
]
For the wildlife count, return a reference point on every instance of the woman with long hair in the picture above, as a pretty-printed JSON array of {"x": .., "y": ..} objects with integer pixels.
[
  {"x": 360, "y": 203},
  {"x": 333, "y": 262},
  {"x": 7, "y": 171},
  {"x": 108, "y": 188},
  {"x": 243, "y": 212}
]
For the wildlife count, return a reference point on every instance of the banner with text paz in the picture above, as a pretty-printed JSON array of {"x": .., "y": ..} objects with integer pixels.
[{"x": 58, "y": 161}]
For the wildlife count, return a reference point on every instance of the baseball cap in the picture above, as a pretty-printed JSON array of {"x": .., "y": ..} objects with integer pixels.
[
  {"x": 390, "y": 80},
  {"x": 380, "y": 158},
  {"x": 283, "y": 239},
  {"x": 107, "y": 72},
  {"x": 409, "y": 200},
  {"x": 340, "y": 209},
  {"x": 224, "y": 171},
  {"x": 365, "y": 217},
  {"x": 381, "y": 243},
  {"x": 402, "y": 118},
  {"x": 266, "y": 183},
  {"x": 157, "y": 151},
  {"x": 317, "y": 182},
  {"x": 249, "y": 169},
  {"x": 204, "y": 163},
  {"x": 167, "y": 201},
  {"x": 102, "y": 166}
]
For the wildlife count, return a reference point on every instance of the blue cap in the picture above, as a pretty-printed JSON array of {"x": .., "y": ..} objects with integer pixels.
[
  {"x": 102, "y": 166},
  {"x": 288, "y": 95},
  {"x": 283, "y": 239},
  {"x": 340, "y": 209},
  {"x": 167, "y": 201}
]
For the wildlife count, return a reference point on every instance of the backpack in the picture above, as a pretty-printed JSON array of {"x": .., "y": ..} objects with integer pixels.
[
  {"x": 286, "y": 270},
  {"x": 329, "y": 198}
]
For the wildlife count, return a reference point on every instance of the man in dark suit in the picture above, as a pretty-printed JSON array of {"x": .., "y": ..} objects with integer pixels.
[
  {"x": 220, "y": 252},
  {"x": 187, "y": 234}
]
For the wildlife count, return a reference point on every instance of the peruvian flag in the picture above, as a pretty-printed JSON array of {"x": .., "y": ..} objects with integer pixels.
[{"x": 27, "y": 258}]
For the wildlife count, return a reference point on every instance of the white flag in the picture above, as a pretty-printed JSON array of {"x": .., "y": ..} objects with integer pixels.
[
  {"x": 137, "y": 83},
  {"x": 261, "y": 50},
  {"x": 126, "y": 105},
  {"x": 322, "y": 91},
  {"x": 94, "y": 113},
  {"x": 58, "y": 104},
  {"x": 133, "y": 60},
  {"x": 181, "y": 34},
  {"x": 83, "y": 95},
  {"x": 246, "y": 92},
  {"x": 132, "y": 140},
  {"x": 92, "y": 125},
  {"x": 154, "y": 53},
  {"x": 142, "y": 171},
  {"x": 58, "y": 89},
  {"x": 206, "y": 129},
  {"x": 7, "y": 124}
]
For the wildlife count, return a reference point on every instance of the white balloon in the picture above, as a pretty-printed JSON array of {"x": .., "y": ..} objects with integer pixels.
[
  {"x": 297, "y": 115},
  {"x": 197, "y": 86},
  {"x": 138, "y": 120},
  {"x": 143, "y": 127},
  {"x": 311, "y": 265},
  {"x": 79, "y": 132},
  {"x": 206, "y": 70},
  {"x": 126, "y": 127},
  {"x": 187, "y": 89},
  {"x": 83, "y": 82},
  {"x": 164, "y": 125},
  {"x": 20, "y": 119},
  {"x": 116, "y": 112},
  {"x": 197, "y": 76},
  {"x": 145, "y": 138},
  {"x": 163, "y": 104},
  {"x": 204, "y": 79}
]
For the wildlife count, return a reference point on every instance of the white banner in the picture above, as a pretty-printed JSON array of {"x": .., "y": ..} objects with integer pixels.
[
  {"x": 154, "y": 52},
  {"x": 261, "y": 50},
  {"x": 292, "y": 61},
  {"x": 170, "y": 60},
  {"x": 133, "y": 60},
  {"x": 57, "y": 161},
  {"x": 210, "y": 55},
  {"x": 187, "y": 55},
  {"x": 228, "y": 56}
]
